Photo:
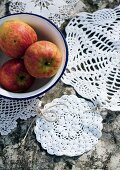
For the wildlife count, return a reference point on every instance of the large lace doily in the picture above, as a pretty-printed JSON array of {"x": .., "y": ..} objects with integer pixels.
[
  {"x": 94, "y": 57},
  {"x": 11, "y": 110},
  {"x": 56, "y": 10},
  {"x": 76, "y": 129}
]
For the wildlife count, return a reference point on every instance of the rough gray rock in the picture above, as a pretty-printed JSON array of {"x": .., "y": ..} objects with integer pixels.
[
  {"x": 93, "y": 5},
  {"x": 30, "y": 156}
]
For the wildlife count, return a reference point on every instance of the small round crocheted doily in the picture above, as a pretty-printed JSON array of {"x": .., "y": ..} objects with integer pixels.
[
  {"x": 76, "y": 129},
  {"x": 94, "y": 57}
]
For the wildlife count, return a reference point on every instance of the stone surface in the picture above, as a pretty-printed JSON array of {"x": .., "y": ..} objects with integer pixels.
[
  {"x": 30, "y": 156},
  {"x": 93, "y": 5}
]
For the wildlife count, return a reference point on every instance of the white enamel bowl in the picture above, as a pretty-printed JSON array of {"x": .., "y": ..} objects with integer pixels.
[{"x": 46, "y": 30}]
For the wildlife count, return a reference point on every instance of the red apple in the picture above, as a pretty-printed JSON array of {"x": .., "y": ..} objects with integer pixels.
[
  {"x": 15, "y": 37},
  {"x": 14, "y": 76},
  {"x": 42, "y": 59}
]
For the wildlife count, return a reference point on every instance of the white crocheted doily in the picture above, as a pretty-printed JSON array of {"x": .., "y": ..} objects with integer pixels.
[
  {"x": 76, "y": 129},
  {"x": 56, "y": 10},
  {"x": 11, "y": 110},
  {"x": 94, "y": 57}
]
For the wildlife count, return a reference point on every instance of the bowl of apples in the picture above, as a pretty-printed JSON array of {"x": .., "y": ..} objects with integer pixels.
[{"x": 33, "y": 55}]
